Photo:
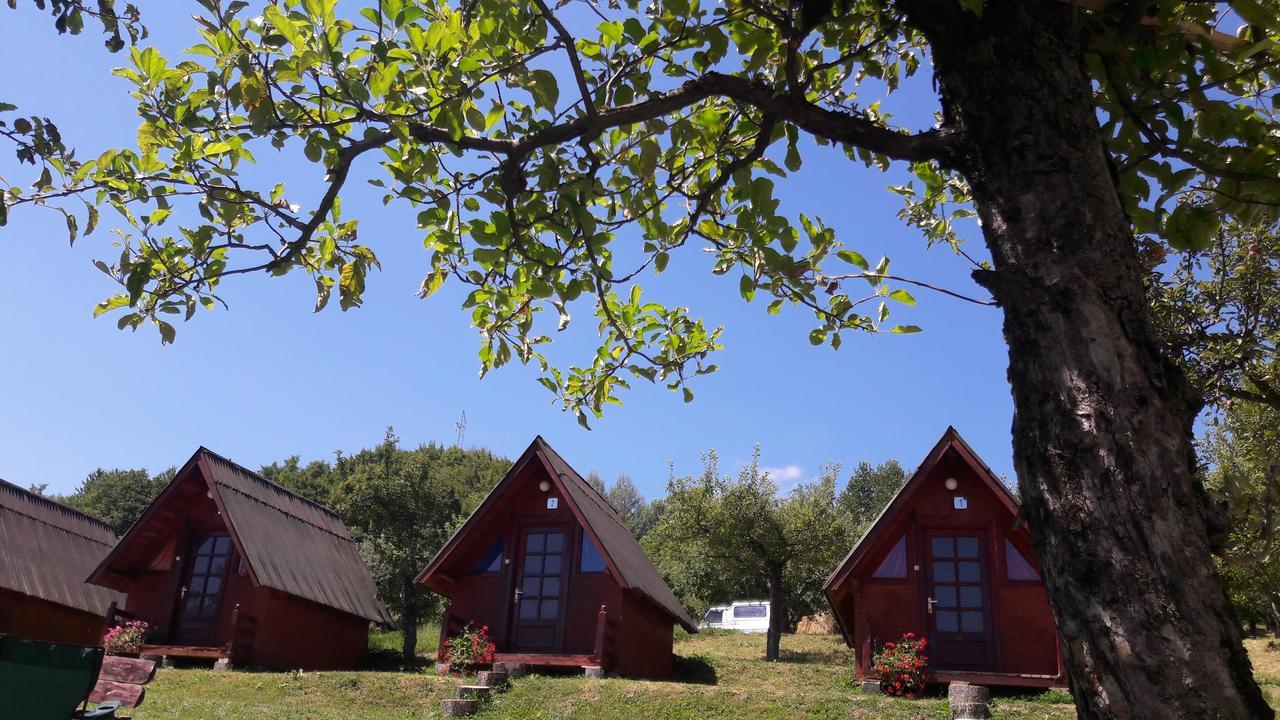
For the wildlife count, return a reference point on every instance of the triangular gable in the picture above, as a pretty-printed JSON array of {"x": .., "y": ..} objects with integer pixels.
[
  {"x": 883, "y": 523},
  {"x": 287, "y": 543},
  {"x": 622, "y": 554}
]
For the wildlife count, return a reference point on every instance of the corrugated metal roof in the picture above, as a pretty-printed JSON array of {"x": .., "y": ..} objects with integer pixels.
[
  {"x": 617, "y": 541},
  {"x": 48, "y": 549},
  {"x": 292, "y": 544}
]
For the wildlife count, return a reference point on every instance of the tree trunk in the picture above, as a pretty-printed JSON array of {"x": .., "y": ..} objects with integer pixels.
[
  {"x": 409, "y": 623},
  {"x": 777, "y": 614},
  {"x": 1102, "y": 427}
]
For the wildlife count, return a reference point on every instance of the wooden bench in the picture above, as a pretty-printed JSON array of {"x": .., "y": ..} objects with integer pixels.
[{"x": 121, "y": 679}]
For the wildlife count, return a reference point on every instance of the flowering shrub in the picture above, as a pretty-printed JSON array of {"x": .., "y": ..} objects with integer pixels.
[
  {"x": 900, "y": 666},
  {"x": 125, "y": 639},
  {"x": 471, "y": 647}
]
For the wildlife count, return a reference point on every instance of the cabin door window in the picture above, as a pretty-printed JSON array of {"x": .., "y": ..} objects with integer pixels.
[
  {"x": 538, "y": 602},
  {"x": 200, "y": 596},
  {"x": 957, "y": 602}
]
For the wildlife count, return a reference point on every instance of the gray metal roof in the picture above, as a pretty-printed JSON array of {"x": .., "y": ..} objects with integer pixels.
[
  {"x": 47, "y": 549},
  {"x": 292, "y": 544}
]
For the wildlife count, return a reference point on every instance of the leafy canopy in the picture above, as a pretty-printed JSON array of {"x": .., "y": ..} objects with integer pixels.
[{"x": 556, "y": 156}]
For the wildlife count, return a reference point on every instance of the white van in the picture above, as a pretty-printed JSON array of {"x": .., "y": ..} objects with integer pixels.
[{"x": 748, "y": 616}]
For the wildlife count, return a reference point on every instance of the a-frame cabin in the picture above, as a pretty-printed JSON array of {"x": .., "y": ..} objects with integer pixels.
[
  {"x": 950, "y": 560},
  {"x": 549, "y": 567},
  {"x": 228, "y": 566}
]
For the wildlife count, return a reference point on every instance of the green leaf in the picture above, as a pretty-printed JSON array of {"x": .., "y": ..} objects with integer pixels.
[
  {"x": 1191, "y": 227},
  {"x": 747, "y": 287},
  {"x": 111, "y": 303},
  {"x": 167, "y": 333},
  {"x": 854, "y": 258},
  {"x": 903, "y": 297},
  {"x": 545, "y": 90},
  {"x": 904, "y": 329}
]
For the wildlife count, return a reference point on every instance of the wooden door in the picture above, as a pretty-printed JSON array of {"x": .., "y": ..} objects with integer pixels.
[
  {"x": 539, "y": 596},
  {"x": 958, "y": 603},
  {"x": 200, "y": 596}
]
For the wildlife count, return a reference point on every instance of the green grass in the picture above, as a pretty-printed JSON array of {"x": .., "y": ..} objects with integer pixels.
[{"x": 725, "y": 677}]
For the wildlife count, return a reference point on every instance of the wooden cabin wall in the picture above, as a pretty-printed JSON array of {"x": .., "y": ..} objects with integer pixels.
[
  {"x": 30, "y": 618},
  {"x": 645, "y": 638},
  {"x": 298, "y": 634}
]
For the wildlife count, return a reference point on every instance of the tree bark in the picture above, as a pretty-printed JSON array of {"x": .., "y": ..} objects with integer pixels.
[
  {"x": 1103, "y": 419},
  {"x": 409, "y": 622},
  {"x": 777, "y": 614}
]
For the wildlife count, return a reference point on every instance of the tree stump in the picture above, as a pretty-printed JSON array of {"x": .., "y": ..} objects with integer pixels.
[
  {"x": 512, "y": 669},
  {"x": 968, "y": 702},
  {"x": 457, "y": 707},
  {"x": 492, "y": 678},
  {"x": 595, "y": 672},
  {"x": 475, "y": 692},
  {"x": 871, "y": 687}
]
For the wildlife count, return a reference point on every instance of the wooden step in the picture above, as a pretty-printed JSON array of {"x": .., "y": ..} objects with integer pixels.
[
  {"x": 492, "y": 678},
  {"x": 457, "y": 707},
  {"x": 475, "y": 692}
]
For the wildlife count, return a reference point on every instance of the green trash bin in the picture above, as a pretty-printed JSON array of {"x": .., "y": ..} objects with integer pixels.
[{"x": 43, "y": 681}]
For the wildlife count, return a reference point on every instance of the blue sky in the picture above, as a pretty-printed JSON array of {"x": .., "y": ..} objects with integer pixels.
[{"x": 269, "y": 378}]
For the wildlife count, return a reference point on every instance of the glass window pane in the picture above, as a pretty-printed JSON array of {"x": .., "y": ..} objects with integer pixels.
[
  {"x": 967, "y": 547},
  {"x": 971, "y": 622},
  {"x": 551, "y": 565},
  {"x": 222, "y": 545},
  {"x": 218, "y": 565},
  {"x": 197, "y": 585},
  {"x": 206, "y": 546},
  {"x": 971, "y": 596},
  {"x": 590, "y": 562},
  {"x": 944, "y": 571},
  {"x": 714, "y": 616},
  {"x": 533, "y": 565},
  {"x": 894, "y": 565},
  {"x": 491, "y": 561},
  {"x": 555, "y": 542},
  {"x": 946, "y": 621},
  {"x": 215, "y": 584},
  {"x": 549, "y": 609},
  {"x": 528, "y": 609},
  {"x": 532, "y": 586},
  {"x": 945, "y": 595},
  {"x": 551, "y": 587},
  {"x": 534, "y": 542},
  {"x": 943, "y": 547},
  {"x": 970, "y": 572},
  {"x": 1016, "y": 566},
  {"x": 202, "y": 565},
  {"x": 750, "y": 611}
]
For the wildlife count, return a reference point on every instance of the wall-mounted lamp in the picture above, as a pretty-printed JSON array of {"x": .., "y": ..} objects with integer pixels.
[
  {"x": 544, "y": 486},
  {"x": 951, "y": 483}
]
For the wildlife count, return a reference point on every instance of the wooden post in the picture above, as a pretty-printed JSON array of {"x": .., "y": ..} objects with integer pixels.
[
  {"x": 235, "y": 630},
  {"x": 444, "y": 632},
  {"x": 602, "y": 620},
  {"x": 864, "y": 651}
]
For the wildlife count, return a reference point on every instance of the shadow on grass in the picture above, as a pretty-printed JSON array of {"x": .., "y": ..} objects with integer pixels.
[
  {"x": 694, "y": 669},
  {"x": 393, "y": 661},
  {"x": 822, "y": 657}
]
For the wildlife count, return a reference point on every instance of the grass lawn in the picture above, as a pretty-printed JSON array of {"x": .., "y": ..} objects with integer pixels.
[{"x": 729, "y": 680}]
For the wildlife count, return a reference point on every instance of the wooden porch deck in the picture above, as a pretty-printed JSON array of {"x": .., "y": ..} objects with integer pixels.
[
  {"x": 997, "y": 679},
  {"x": 545, "y": 659},
  {"x": 185, "y": 651}
]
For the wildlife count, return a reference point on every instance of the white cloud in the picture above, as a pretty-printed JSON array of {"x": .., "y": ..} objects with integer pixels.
[{"x": 785, "y": 475}]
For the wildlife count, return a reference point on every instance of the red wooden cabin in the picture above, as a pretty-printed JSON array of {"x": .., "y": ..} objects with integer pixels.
[
  {"x": 950, "y": 560},
  {"x": 46, "y": 550},
  {"x": 546, "y": 563},
  {"x": 228, "y": 566}
]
